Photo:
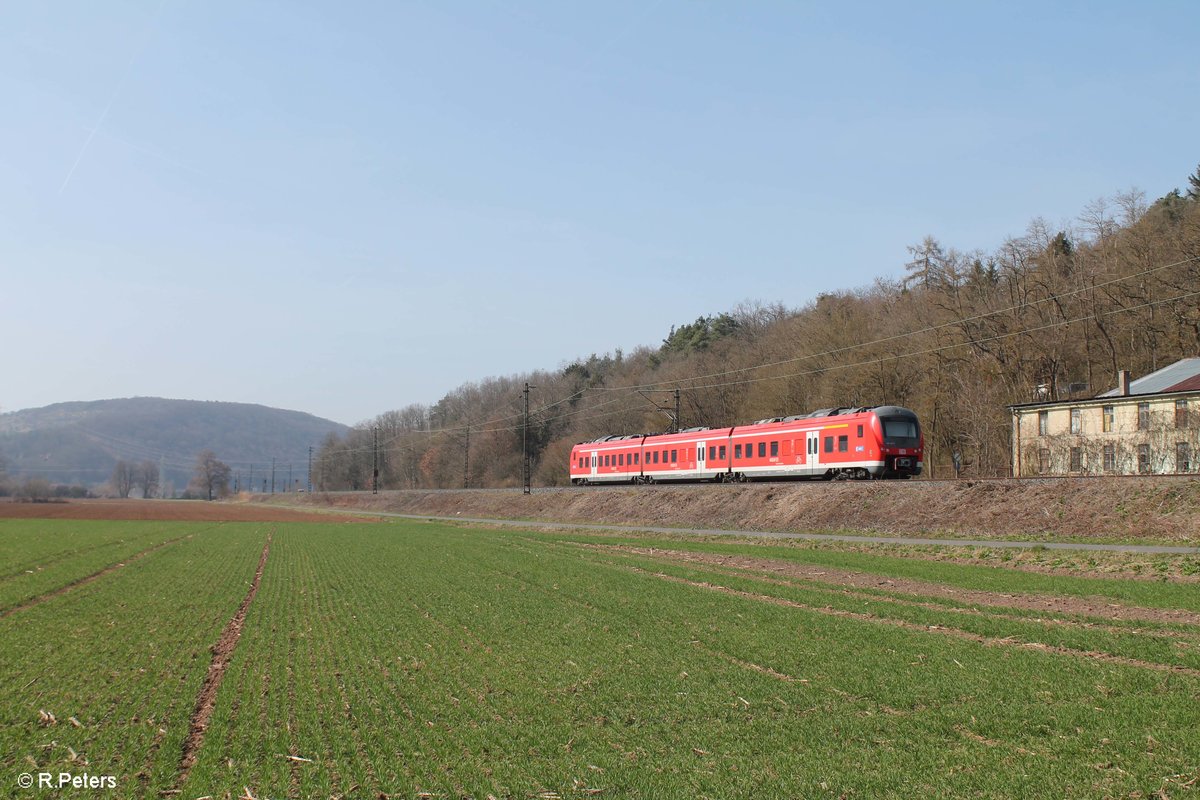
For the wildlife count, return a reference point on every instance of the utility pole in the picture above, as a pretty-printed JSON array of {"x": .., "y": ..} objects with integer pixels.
[
  {"x": 291, "y": 485},
  {"x": 675, "y": 425},
  {"x": 272, "y": 476},
  {"x": 375, "y": 462},
  {"x": 310, "y": 469},
  {"x": 467, "y": 459},
  {"x": 250, "y": 482},
  {"x": 525, "y": 443}
]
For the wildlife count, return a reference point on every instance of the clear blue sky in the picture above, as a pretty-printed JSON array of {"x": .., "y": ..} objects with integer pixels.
[{"x": 344, "y": 208}]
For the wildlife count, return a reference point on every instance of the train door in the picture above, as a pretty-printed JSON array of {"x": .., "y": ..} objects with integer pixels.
[
  {"x": 814, "y": 452},
  {"x": 595, "y": 460},
  {"x": 700, "y": 457}
]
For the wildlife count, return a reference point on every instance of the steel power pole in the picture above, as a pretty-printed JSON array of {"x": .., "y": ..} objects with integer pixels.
[
  {"x": 525, "y": 443},
  {"x": 675, "y": 426}
]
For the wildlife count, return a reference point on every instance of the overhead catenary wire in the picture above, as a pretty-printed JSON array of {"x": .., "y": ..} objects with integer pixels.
[
  {"x": 629, "y": 390},
  {"x": 918, "y": 332},
  {"x": 621, "y": 393}
]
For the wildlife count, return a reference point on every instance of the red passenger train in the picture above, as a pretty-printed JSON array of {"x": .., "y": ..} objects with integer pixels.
[{"x": 833, "y": 443}]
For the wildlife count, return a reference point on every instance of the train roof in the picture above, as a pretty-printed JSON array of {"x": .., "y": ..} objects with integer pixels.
[{"x": 819, "y": 413}]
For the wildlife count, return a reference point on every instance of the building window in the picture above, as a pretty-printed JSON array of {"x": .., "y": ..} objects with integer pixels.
[
  {"x": 1143, "y": 416},
  {"x": 843, "y": 444},
  {"x": 1181, "y": 414},
  {"x": 1043, "y": 423},
  {"x": 1076, "y": 420},
  {"x": 1108, "y": 418},
  {"x": 1044, "y": 460},
  {"x": 1143, "y": 458},
  {"x": 1183, "y": 457},
  {"x": 1110, "y": 458},
  {"x": 1076, "y": 459}
]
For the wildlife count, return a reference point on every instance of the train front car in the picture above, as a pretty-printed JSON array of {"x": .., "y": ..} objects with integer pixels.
[{"x": 900, "y": 440}]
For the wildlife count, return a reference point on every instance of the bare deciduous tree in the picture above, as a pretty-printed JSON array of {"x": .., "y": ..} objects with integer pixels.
[
  {"x": 211, "y": 476},
  {"x": 147, "y": 478},
  {"x": 122, "y": 479}
]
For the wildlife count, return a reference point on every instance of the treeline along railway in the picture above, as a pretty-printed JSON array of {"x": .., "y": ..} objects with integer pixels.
[{"x": 1052, "y": 313}]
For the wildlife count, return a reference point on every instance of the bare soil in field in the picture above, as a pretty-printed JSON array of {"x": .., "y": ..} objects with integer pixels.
[
  {"x": 169, "y": 510},
  {"x": 1059, "y": 604},
  {"x": 222, "y": 652},
  {"x": 1128, "y": 509}
]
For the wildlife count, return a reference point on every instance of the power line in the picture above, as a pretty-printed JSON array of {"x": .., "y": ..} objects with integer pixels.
[{"x": 907, "y": 334}]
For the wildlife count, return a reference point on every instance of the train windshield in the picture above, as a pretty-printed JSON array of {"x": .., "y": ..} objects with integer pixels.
[{"x": 898, "y": 429}]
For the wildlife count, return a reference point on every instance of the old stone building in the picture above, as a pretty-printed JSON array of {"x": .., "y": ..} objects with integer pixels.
[{"x": 1147, "y": 426}]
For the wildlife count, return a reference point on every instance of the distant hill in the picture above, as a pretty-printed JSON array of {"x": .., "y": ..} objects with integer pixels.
[{"x": 79, "y": 443}]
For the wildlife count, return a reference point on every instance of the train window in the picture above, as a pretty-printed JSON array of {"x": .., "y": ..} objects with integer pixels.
[
  {"x": 620, "y": 459},
  {"x": 655, "y": 456},
  {"x": 762, "y": 449},
  {"x": 774, "y": 449},
  {"x": 712, "y": 453},
  {"x": 666, "y": 454},
  {"x": 828, "y": 444},
  {"x": 843, "y": 444},
  {"x": 737, "y": 451},
  {"x": 674, "y": 456},
  {"x": 722, "y": 453},
  {"x": 860, "y": 431},
  {"x": 636, "y": 458}
]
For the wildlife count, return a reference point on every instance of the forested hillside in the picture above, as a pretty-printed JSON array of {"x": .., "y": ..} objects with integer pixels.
[{"x": 1050, "y": 314}]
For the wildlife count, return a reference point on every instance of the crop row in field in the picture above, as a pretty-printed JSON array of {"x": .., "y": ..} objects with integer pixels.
[
  {"x": 101, "y": 678},
  {"x": 47, "y": 555},
  {"x": 469, "y": 663},
  {"x": 410, "y": 658}
]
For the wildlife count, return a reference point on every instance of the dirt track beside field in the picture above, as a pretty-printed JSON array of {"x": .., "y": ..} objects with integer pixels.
[{"x": 1134, "y": 509}]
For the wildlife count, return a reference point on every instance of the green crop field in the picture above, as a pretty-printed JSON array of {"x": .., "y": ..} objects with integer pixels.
[{"x": 408, "y": 659}]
